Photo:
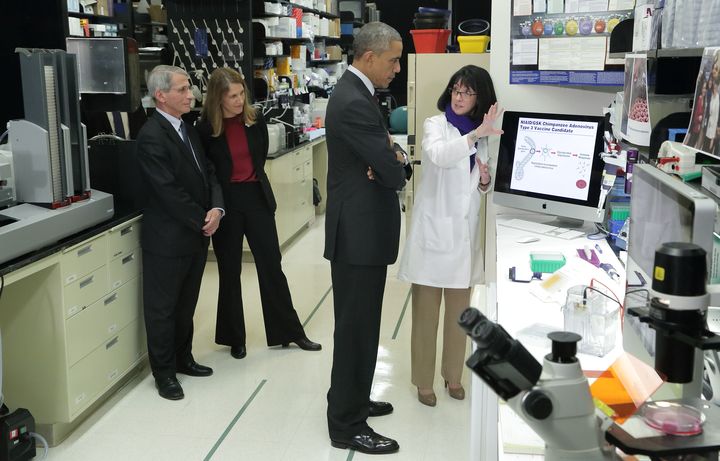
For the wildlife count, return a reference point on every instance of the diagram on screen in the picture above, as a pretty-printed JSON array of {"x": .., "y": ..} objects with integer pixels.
[
  {"x": 554, "y": 157},
  {"x": 543, "y": 154},
  {"x": 520, "y": 166}
]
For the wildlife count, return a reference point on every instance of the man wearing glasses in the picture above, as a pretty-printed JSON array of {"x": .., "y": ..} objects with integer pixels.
[{"x": 182, "y": 210}]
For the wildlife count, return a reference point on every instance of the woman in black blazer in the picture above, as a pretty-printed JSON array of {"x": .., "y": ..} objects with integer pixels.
[{"x": 235, "y": 138}]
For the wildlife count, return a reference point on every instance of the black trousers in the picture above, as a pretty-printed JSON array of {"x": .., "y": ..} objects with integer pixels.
[
  {"x": 358, "y": 296},
  {"x": 248, "y": 215},
  {"x": 171, "y": 286}
]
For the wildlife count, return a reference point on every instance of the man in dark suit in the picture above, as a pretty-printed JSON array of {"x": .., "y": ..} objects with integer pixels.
[
  {"x": 362, "y": 229},
  {"x": 183, "y": 209}
]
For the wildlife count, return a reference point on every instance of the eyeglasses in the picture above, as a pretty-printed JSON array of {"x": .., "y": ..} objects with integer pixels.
[{"x": 462, "y": 94}]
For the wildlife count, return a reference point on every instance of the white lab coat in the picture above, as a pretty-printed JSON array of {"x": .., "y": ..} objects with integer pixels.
[{"x": 442, "y": 248}]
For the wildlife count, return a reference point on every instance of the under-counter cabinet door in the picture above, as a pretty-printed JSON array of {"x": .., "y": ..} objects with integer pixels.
[
  {"x": 123, "y": 239},
  {"x": 103, "y": 319},
  {"x": 83, "y": 258},
  {"x": 103, "y": 367},
  {"x": 85, "y": 291}
]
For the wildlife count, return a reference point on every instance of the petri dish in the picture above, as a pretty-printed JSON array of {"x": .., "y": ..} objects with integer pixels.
[{"x": 673, "y": 418}]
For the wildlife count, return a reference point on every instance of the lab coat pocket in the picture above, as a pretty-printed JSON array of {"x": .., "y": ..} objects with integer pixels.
[{"x": 436, "y": 234}]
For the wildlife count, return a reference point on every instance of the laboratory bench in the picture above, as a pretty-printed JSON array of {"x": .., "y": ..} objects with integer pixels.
[
  {"x": 72, "y": 325},
  {"x": 496, "y": 432}
]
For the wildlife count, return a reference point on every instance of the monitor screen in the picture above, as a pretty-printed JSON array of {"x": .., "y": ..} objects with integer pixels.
[
  {"x": 664, "y": 209},
  {"x": 549, "y": 163}
]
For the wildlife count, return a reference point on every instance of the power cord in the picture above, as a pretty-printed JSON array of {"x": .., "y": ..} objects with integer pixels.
[{"x": 44, "y": 443}]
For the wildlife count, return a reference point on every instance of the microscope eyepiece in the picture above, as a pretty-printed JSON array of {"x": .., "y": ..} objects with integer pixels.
[
  {"x": 469, "y": 318},
  {"x": 491, "y": 337}
]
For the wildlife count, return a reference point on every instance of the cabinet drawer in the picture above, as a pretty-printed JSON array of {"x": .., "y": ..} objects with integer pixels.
[
  {"x": 102, "y": 320},
  {"x": 88, "y": 378},
  {"x": 83, "y": 258},
  {"x": 85, "y": 291},
  {"x": 125, "y": 267},
  {"x": 123, "y": 239}
]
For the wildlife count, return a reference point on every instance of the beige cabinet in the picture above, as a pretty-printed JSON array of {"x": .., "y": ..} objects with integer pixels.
[
  {"x": 291, "y": 178},
  {"x": 72, "y": 328}
]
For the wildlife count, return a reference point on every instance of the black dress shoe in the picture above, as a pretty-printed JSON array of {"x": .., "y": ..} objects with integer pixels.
[
  {"x": 380, "y": 408},
  {"x": 305, "y": 344},
  {"x": 368, "y": 441},
  {"x": 192, "y": 368},
  {"x": 239, "y": 352},
  {"x": 169, "y": 388}
]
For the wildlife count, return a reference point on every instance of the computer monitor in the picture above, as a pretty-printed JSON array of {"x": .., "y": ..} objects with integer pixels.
[
  {"x": 549, "y": 163},
  {"x": 664, "y": 209}
]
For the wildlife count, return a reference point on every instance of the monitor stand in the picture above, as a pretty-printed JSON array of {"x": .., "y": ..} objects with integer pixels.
[{"x": 566, "y": 223}]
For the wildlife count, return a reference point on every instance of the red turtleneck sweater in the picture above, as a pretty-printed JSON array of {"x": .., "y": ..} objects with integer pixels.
[{"x": 243, "y": 169}]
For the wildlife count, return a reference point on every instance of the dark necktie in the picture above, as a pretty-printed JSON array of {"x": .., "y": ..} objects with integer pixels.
[
  {"x": 119, "y": 127},
  {"x": 186, "y": 140}
]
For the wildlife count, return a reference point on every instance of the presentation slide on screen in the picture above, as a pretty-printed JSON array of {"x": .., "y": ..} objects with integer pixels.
[{"x": 554, "y": 157}]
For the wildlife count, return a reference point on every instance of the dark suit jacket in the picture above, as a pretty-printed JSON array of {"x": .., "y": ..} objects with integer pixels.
[
  {"x": 178, "y": 194},
  {"x": 218, "y": 152},
  {"x": 362, "y": 224}
]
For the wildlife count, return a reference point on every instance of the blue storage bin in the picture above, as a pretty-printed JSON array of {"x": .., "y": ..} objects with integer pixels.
[{"x": 346, "y": 29}]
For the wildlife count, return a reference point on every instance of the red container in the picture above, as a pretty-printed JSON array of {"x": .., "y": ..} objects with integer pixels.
[{"x": 430, "y": 40}]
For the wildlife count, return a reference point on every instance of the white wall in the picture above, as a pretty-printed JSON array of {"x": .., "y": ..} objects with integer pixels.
[{"x": 530, "y": 98}]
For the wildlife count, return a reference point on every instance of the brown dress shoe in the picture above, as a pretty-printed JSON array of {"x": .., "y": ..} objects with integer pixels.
[
  {"x": 427, "y": 398},
  {"x": 458, "y": 393}
]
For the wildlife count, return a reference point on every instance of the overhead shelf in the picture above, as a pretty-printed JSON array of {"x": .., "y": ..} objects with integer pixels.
[{"x": 95, "y": 17}]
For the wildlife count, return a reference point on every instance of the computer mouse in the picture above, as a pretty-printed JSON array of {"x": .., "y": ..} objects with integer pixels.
[{"x": 527, "y": 239}]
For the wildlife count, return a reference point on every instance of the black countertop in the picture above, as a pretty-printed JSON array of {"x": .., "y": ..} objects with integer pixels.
[{"x": 282, "y": 152}]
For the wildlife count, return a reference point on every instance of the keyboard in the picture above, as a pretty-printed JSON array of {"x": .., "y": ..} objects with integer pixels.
[{"x": 543, "y": 229}]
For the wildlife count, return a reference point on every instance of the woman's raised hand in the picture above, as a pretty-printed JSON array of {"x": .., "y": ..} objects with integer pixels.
[{"x": 487, "y": 127}]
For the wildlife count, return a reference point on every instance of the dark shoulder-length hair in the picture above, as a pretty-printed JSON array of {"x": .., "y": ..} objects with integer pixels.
[
  {"x": 477, "y": 80},
  {"x": 218, "y": 86}
]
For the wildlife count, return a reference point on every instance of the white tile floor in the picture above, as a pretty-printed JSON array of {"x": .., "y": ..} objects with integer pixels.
[{"x": 271, "y": 405}]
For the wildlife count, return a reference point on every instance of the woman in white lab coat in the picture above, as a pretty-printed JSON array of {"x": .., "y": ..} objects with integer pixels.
[{"x": 443, "y": 255}]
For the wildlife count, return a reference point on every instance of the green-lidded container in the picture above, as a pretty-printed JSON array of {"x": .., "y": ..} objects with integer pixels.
[
  {"x": 546, "y": 262},
  {"x": 619, "y": 211}
]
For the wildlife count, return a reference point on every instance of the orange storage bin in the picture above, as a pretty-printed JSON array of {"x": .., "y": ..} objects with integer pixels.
[{"x": 430, "y": 40}]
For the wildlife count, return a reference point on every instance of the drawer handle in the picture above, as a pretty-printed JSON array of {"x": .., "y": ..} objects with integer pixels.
[
  {"x": 87, "y": 281},
  {"x": 128, "y": 258},
  {"x": 84, "y": 251},
  {"x": 112, "y": 375},
  {"x": 126, "y": 230},
  {"x": 111, "y": 299},
  {"x": 112, "y": 342}
]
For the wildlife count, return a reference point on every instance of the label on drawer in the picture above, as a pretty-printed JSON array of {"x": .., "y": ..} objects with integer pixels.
[
  {"x": 112, "y": 328},
  {"x": 73, "y": 310},
  {"x": 80, "y": 398},
  {"x": 112, "y": 375}
]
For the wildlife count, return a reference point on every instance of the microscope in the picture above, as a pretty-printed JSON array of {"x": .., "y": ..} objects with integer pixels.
[{"x": 554, "y": 398}]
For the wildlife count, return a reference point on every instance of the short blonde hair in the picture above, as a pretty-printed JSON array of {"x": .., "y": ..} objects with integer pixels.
[{"x": 218, "y": 85}]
